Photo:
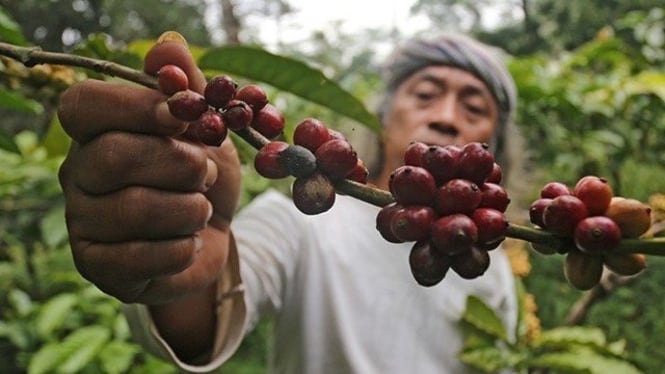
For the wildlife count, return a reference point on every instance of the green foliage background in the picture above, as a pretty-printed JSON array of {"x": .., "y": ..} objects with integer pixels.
[{"x": 591, "y": 105}]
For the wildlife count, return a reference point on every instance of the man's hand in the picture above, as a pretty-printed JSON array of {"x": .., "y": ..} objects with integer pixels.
[{"x": 147, "y": 210}]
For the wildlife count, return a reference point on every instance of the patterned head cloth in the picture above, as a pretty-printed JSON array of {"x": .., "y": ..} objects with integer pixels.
[{"x": 458, "y": 51}]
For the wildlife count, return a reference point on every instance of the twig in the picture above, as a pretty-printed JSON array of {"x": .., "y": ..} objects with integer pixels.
[{"x": 30, "y": 56}]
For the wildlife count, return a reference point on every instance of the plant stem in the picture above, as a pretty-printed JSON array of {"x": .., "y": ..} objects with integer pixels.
[{"x": 30, "y": 56}]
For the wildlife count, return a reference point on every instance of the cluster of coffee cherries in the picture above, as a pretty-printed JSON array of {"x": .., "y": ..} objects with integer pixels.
[
  {"x": 593, "y": 222},
  {"x": 449, "y": 202},
  {"x": 222, "y": 106},
  {"x": 318, "y": 158}
]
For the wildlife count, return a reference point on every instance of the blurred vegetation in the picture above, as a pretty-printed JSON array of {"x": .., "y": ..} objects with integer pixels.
[{"x": 590, "y": 78}]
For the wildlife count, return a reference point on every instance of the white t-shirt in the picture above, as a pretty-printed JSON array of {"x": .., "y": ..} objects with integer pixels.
[{"x": 343, "y": 299}]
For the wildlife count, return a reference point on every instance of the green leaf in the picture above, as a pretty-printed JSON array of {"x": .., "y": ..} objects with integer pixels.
[
  {"x": 56, "y": 141},
  {"x": 13, "y": 101},
  {"x": 82, "y": 346},
  {"x": 290, "y": 75},
  {"x": 7, "y": 142},
  {"x": 479, "y": 315},
  {"x": 10, "y": 31},
  {"x": 52, "y": 226},
  {"x": 46, "y": 359},
  {"x": 647, "y": 82},
  {"x": 20, "y": 301},
  {"x": 118, "y": 356},
  {"x": 567, "y": 335},
  {"x": 489, "y": 359},
  {"x": 585, "y": 361},
  {"x": 53, "y": 313}
]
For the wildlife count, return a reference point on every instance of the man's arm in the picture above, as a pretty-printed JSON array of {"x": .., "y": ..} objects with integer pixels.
[{"x": 147, "y": 210}]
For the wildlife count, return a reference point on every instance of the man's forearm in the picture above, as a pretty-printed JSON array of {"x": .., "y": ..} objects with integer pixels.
[{"x": 188, "y": 325}]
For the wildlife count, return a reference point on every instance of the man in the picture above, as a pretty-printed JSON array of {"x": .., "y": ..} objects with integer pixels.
[{"x": 151, "y": 218}]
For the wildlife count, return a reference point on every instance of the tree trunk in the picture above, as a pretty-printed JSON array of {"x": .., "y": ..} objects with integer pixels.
[{"x": 230, "y": 22}]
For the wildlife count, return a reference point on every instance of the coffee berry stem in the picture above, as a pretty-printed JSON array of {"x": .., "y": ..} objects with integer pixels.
[{"x": 31, "y": 56}]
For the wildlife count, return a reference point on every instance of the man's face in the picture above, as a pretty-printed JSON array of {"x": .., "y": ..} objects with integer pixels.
[{"x": 439, "y": 105}]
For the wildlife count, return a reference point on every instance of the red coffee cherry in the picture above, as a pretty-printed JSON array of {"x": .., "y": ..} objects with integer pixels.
[
  {"x": 427, "y": 267},
  {"x": 334, "y": 134},
  {"x": 267, "y": 161},
  {"x": 384, "y": 220},
  {"x": 496, "y": 175},
  {"x": 336, "y": 158},
  {"x": 412, "y": 222},
  {"x": 414, "y": 153},
  {"x": 359, "y": 173},
  {"x": 314, "y": 194},
  {"x": 442, "y": 162},
  {"x": 237, "y": 115},
  {"x": 220, "y": 90},
  {"x": 597, "y": 235},
  {"x": 457, "y": 196},
  {"x": 563, "y": 213},
  {"x": 253, "y": 95},
  {"x": 268, "y": 121},
  {"x": 493, "y": 196},
  {"x": 412, "y": 185},
  {"x": 453, "y": 234},
  {"x": 554, "y": 189},
  {"x": 210, "y": 128},
  {"x": 187, "y": 105},
  {"x": 492, "y": 225},
  {"x": 171, "y": 79},
  {"x": 595, "y": 192},
  {"x": 536, "y": 211},
  {"x": 475, "y": 162},
  {"x": 470, "y": 264},
  {"x": 311, "y": 133}
]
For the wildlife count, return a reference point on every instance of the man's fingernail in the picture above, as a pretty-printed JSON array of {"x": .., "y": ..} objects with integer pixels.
[{"x": 171, "y": 36}]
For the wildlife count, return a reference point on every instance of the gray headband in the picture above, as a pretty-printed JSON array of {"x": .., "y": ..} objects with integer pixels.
[{"x": 459, "y": 51}]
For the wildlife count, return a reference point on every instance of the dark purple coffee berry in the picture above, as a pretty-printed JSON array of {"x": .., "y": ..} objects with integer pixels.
[
  {"x": 314, "y": 194},
  {"x": 475, "y": 162},
  {"x": 457, "y": 196},
  {"x": 412, "y": 185},
  {"x": 453, "y": 234},
  {"x": 412, "y": 222},
  {"x": 171, "y": 79},
  {"x": 268, "y": 121},
  {"x": 220, "y": 90},
  {"x": 384, "y": 220},
  {"x": 187, "y": 105},
  {"x": 471, "y": 264},
  {"x": 442, "y": 162},
  {"x": 253, "y": 95},
  {"x": 336, "y": 158},
  {"x": 311, "y": 133},
  {"x": 237, "y": 115},
  {"x": 210, "y": 128},
  {"x": 415, "y": 153},
  {"x": 427, "y": 267},
  {"x": 299, "y": 161},
  {"x": 267, "y": 160}
]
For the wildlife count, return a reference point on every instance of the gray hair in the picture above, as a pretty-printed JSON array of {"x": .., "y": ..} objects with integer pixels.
[{"x": 481, "y": 60}]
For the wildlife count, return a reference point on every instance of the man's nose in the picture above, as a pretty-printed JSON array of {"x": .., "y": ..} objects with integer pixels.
[{"x": 444, "y": 112}]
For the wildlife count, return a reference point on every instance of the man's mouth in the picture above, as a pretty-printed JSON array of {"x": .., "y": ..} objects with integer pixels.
[{"x": 443, "y": 129}]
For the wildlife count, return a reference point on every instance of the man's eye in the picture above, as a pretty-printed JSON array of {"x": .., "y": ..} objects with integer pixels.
[
  {"x": 424, "y": 96},
  {"x": 475, "y": 109}
]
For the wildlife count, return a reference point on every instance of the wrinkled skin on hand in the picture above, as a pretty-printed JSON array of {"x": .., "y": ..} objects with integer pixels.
[{"x": 147, "y": 210}]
